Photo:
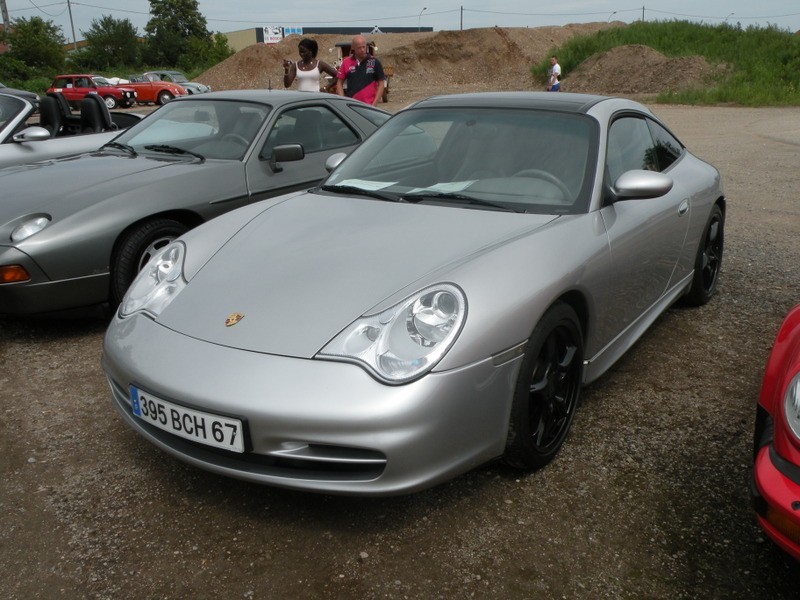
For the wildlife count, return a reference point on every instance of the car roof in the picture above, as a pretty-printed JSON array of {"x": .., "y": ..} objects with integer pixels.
[
  {"x": 268, "y": 96},
  {"x": 30, "y": 97},
  {"x": 561, "y": 101}
]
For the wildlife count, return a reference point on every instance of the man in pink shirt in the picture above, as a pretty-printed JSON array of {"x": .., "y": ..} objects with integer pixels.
[{"x": 363, "y": 73}]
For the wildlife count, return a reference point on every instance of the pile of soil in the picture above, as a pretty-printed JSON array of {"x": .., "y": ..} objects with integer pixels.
[
  {"x": 636, "y": 69},
  {"x": 494, "y": 58}
]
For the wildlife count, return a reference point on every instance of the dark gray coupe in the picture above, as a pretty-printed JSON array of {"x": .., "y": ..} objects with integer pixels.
[{"x": 75, "y": 231}]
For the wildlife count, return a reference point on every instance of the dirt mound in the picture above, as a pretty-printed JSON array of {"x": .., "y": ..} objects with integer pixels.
[
  {"x": 636, "y": 69},
  {"x": 492, "y": 58},
  {"x": 428, "y": 63}
]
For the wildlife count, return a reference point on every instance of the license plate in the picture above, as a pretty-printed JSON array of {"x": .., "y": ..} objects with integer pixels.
[{"x": 205, "y": 428}]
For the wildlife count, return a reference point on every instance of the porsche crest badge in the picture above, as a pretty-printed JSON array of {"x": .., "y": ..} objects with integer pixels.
[{"x": 233, "y": 319}]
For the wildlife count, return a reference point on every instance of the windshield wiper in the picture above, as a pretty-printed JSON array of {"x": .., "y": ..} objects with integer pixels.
[
  {"x": 419, "y": 196},
  {"x": 351, "y": 189},
  {"x": 120, "y": 146},
  {"x": 172, "y": 150}
]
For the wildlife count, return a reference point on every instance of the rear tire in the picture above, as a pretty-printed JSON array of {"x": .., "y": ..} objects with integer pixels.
[
  {"x": 110, "y": 101},
  {"x": 547, "y": 390},
  {"x": 135, "y": 249},
  {"x": 708, "y": 261}
]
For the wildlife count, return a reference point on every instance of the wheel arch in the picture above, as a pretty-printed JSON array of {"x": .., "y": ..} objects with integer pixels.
[
  {"x": 578, "y": 302},
  {"x": 186, "y": 217}
]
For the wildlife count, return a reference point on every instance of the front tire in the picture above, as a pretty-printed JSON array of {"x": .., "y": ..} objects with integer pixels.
[
  {"x": 547, "y": 390},
  {"x": 135, "y": 249},
  {"x": 164, "y": 97},
  {"x": 110, "y": 101},
  {"x": 708, "y": 261}
]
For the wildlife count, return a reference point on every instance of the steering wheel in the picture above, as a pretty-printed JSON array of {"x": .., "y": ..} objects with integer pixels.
[
  {"x": 235, "y": 137},
  {"x": 548, "y": 177}
]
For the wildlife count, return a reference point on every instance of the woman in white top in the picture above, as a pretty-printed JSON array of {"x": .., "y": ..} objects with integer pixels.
[{"x": 307, "y": 70}]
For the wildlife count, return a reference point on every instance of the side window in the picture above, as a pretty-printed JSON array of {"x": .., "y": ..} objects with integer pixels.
[
  {"x": 373, "y": 115},
  {"x": 62, "y": 82},
  {"x": 667, "y": 149},
  {"x": 630, "y": 146},
  {"x": 317, "y": 128}
]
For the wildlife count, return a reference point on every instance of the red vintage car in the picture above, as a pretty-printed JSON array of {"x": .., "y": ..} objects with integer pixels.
[
  {"x": 152, "y": 89},
  {"x": 776, "y": 470},
  {"x": 75, "y": 87}
]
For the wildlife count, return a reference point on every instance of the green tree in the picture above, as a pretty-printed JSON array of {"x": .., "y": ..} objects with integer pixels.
[
  {"x": 111, "y": 43},
  {"x": 37, "y": 43},
  {"x": 172, "y": 28},
  {"x": 204, "y": 54}
]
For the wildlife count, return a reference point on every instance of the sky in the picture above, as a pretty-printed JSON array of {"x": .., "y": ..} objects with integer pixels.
[{"x": 235, "y": 15}]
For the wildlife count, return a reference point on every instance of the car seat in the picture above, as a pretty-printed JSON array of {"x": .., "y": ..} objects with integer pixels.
[
  {"x": 49, "y": 115},
  {"x": 307, "y": 130},
  {"x": 70, "y": 123},
  {"x": 94, "y": 115},
  {"x": 479, "y": 156}
]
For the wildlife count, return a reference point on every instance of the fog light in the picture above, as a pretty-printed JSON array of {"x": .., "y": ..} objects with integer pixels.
[{"x": 14, "y": 274}]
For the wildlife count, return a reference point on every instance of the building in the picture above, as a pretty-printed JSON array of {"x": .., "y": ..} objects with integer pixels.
[{"x": 239, "y": 40}]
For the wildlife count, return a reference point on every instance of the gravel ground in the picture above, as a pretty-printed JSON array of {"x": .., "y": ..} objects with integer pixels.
[{"x": 648, "y": 499}]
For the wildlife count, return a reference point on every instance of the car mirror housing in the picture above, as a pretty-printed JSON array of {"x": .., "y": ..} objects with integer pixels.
[
  {"x": 334, "y": 160},
  {"x": 285, "y": 153},
  {"x": 32, "y": 134},
  {"x": 642, "y": 184}
]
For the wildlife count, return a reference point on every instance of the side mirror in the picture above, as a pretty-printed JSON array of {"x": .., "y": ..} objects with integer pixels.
[
  {"x": 285, "y": 153},
  {"x": 32, "y": 134},
  {"x": 334, "y": 160},
  {"x": 642, "y": 184}
]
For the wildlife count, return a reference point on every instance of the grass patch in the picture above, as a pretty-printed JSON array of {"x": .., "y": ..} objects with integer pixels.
[{"x": 764, "y": 62}]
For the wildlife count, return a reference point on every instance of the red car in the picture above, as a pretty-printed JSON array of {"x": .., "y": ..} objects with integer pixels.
[
  {"x": 776, "y": 472},
  {"x": 75, "y": 88},
  {"x": 151, "y": 89}
]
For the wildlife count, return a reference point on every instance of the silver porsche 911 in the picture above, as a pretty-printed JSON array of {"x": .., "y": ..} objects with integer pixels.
[{"x": 436, "y": 303}]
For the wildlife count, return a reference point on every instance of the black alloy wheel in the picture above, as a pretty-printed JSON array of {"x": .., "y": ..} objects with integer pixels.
[{"x": 548, "y": 389}]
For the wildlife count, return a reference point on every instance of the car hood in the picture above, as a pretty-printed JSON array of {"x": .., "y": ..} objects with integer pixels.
[
  {"x": 61, "y": 186},
  {"x": 306, "y": 267}
]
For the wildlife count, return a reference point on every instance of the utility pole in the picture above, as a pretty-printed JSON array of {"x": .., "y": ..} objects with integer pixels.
[
  {"x": 4, "y": 9},
  {"x": 74, "y": 39}
]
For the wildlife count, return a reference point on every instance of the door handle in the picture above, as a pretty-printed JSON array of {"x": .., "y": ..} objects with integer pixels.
[{"x": 684, "y": 207}]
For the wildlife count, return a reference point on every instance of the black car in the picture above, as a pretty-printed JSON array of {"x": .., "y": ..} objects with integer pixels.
[{"x": 22, "y": 93}]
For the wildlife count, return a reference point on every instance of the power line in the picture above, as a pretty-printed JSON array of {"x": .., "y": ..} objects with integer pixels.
[{"x": 261, "y": 21}]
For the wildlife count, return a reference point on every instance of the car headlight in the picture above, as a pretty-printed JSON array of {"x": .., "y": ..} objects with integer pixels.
[
  {"x": 157, "y": 283},
  {"x": 405, "y": 341},
  {"x": 28, "y": 228},
  {"x": 791, "y": 405}
]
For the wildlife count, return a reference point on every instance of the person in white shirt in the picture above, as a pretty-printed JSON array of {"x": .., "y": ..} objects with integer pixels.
[
  {"x": 306, "y": 70},
  {"x": 554, "y": 76}
]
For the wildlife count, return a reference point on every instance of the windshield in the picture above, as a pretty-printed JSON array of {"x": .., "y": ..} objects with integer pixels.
[
  {"x": 213, "y": 129},
  {"x": 522, "y": 160},
  {"x": 101, "y": 82}
]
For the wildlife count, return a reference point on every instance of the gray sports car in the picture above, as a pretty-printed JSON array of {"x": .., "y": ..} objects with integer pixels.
[
  {"x": 436, "y": 303},
  {"x": 75, "y": 231},
  {"x": 29, "y": 132}
]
